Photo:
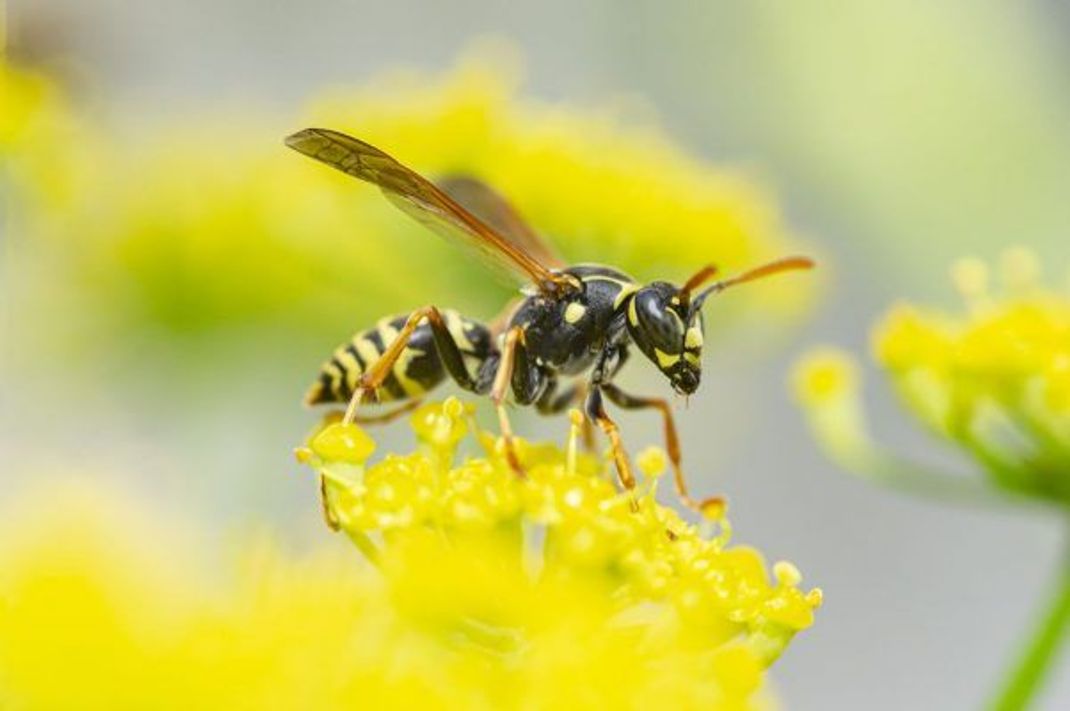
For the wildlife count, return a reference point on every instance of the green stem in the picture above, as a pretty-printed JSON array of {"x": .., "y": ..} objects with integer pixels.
[{"x": 1026, "y": 677}]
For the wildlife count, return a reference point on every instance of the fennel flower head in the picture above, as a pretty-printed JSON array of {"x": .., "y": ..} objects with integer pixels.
[
  {"x": 992, "y": 378},
  {"x": 553, "y": 588}
]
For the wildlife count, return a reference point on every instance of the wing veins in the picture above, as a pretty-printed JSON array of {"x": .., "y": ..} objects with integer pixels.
[{"x": 422, "y": 200}]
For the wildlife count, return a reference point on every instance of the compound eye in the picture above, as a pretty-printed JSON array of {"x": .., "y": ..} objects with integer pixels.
[{"x": 659, "y": 323}]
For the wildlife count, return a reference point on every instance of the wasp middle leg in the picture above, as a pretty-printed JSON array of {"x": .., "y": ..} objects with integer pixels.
[
  {"x": 552, "y": 402},
  {"x": 672, "y": 442},
  {"x": 596, "y": 411}
]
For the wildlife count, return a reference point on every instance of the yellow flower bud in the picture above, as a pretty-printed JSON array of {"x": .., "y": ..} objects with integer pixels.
[{"x": 342, "y": 443}]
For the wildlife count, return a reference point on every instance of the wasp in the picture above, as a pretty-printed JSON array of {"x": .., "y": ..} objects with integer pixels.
[{"x": 564, "y": 340}]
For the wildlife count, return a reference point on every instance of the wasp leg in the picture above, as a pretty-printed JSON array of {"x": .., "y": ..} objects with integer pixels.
[
  {"x": 502, "y": 379},
  {"x": 587, "y": 428},
  {"x": 384, "y": 417},
  {"x": 596, "y": 411},
  {"x": 329, "y": 516},
  {"x": 447, "y": 348},
  {"x": 553, "y": 402},
  {"x": 672, "y": 442},
  {"x": 381, "y": 418}
]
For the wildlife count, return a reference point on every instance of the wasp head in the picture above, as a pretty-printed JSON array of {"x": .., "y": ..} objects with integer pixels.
[
  {"x": 665, "y": 321},
  {"x": 668, "y": 331}
]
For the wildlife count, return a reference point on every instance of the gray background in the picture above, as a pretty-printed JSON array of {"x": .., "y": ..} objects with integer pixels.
[{"x": 897, "y": 135}]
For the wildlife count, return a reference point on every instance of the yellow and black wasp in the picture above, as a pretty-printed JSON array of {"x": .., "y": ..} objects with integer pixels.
[{"x": 574, "y": 322}]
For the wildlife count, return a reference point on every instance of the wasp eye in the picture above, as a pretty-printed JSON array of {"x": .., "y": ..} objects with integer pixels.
[{"x": 654, "y": 319}]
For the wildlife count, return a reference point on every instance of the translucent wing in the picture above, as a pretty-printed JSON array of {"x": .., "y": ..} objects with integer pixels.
[
  {"x": 425, "y": 202},
  {"x": 495, "y": 211}
]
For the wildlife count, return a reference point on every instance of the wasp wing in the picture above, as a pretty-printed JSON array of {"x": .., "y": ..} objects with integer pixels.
[
  {"x": 424, "y": 201},
  {"x": 499, "y": 214}
]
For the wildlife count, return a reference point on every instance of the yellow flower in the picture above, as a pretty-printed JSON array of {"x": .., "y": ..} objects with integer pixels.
[
  {"x": 487, "y": 592},
  {"x": 993, "y": 379},
  {"x": 516, "y": 570},
  {"x": 212, "y": 225},
  {"x": 43, "y": 144}
]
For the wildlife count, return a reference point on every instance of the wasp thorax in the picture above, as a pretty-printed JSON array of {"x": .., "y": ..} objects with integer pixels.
[{"x": 668, "y": 333}]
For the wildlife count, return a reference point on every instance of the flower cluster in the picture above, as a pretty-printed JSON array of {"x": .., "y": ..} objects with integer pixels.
[
  {"x": 994, "y": 379},
  {"x": 556, "y": 582},
  {"x": 42, "y": 149},
  {"x": 487, "y": 591}
]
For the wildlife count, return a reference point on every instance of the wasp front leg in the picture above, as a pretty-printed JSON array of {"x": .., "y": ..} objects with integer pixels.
[
  {"x": 515, "y": 370},
  {"x": 672, "y": 443}
]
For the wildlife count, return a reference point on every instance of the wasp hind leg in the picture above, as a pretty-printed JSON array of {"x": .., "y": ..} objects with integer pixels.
[
  {"x": 672, "y": 445},
  {"x": 380, "y": 418},
  {"x": 448, "y": 351}
]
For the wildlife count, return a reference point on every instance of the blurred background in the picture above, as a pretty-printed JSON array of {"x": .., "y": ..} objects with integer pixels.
[{"x": 173, "y": 277}]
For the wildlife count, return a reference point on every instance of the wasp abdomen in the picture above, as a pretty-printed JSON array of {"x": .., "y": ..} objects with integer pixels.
[{"x": 418, "y": 370}]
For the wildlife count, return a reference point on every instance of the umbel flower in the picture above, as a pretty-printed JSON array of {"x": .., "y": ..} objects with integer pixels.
[
  {"x": 992, "y": 379},
  {"x": 553, "y": 588},
  {"x": 488, "y": 592}
]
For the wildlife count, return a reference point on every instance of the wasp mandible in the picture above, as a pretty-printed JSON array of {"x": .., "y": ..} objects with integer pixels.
[{"x": 574, "y": 322}]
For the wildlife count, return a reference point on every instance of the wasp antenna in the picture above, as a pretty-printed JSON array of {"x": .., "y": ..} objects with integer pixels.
[
  {"x": 785, "y": 264},
  {"x": 701, "y": 277}
]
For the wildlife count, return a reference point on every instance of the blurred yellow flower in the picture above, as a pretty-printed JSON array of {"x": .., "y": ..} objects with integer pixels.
[
  {"x": 43, "y": 143},
  {"x": 993, "y": 379},
  {"x": 211, "y": 225}
]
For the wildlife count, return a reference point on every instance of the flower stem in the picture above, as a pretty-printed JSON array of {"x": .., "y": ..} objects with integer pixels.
[{"x": 1026, "y": 677}]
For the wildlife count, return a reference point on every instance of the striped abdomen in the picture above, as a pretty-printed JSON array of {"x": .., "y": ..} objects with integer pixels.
[{"x": 417, "y": 371}]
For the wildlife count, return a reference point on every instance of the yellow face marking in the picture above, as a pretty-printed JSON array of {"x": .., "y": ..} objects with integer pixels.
[
  {"x": 692, "y": 358},
  {"x": 626, "y": 290},
  {"x": 675, "y": 301},
  {"x": 666, "y": 360},
  {"x": 401, "y": 367},
  {"x": 574, "y": 312},
  {"x": 693, "y": 338}
]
